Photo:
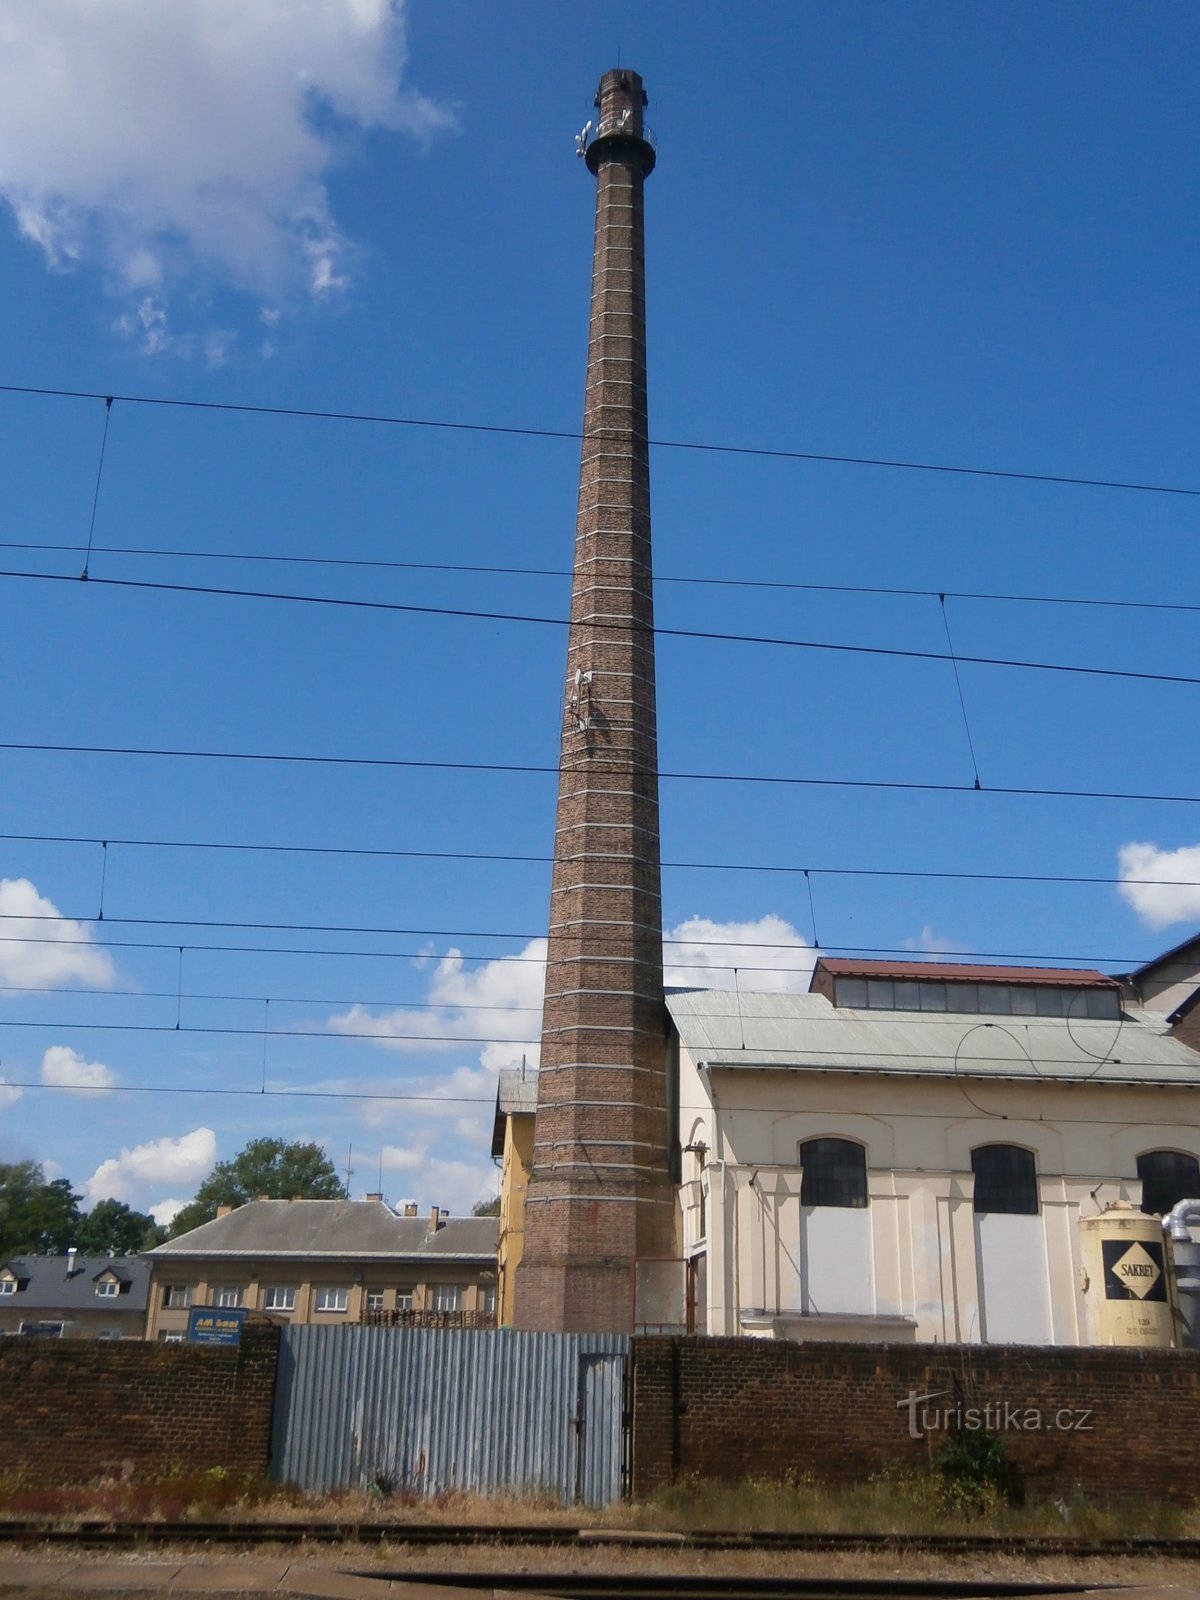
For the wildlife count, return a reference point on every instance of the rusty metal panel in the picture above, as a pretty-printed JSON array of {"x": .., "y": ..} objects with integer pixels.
[{"x": 432, "y": 1409}]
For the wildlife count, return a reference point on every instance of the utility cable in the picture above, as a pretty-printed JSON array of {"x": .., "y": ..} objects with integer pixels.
[
  {"x": 660, "y": 578},
  {"x": 511, "y": 858},
  {"x": 572, "y": 434},
  {"x": 892, "y": 785},
  {"x": 108, "y": 402},
  {"x": 404, "y": 608},
  {"x": 958, "y": 685}
]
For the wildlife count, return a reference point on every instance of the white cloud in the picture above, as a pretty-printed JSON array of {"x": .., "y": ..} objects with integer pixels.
[
  {"x": 40, "y": 947},
  {"x": 165, "y": 1212},
  {"x": 161, "y": 136},
  {"x": 500, "y": 1002},
  {"x": 185, "y": 1161},
  {"x": 932, "y": 944},
  {"x": 435, "y": 1181},
  {"x": 9, "y": 1092},
  {"x": 767, "y": 953},
  {"x": 1169, "y": 890},
  {"x": 63, "y": 1068}
]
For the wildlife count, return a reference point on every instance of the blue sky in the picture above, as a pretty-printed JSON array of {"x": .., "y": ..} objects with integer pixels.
[{"x": 958, "y": 234}]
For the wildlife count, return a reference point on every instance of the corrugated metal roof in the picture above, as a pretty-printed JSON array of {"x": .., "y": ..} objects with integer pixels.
[
  {"x": 805, "y": 1032},
  {"x": 349, "y": 1229},
  {"x": 939, "y": 971}
]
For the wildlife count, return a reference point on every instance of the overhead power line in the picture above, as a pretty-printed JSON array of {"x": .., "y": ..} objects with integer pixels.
[
  {"x": 511, "y": 858},
  {"x": 660, "y": 578},
  {"x": 404, "y": 608},
  {"x": 400, "y": 763},
  {"x": 764, "y": 452}
]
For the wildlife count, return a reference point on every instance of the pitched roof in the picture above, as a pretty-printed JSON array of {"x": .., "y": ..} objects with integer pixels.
[
  {"x": 516, "y": 1094},
  {"x": 352, "y": 1230},
  {"x": 972, "y": 972},
  {"x": 50, "y": 1289},
  {"x": 804, "y": 1032}
]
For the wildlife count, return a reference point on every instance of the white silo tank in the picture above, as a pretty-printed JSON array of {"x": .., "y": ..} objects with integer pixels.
[{"x": 1127, "y": 1279}]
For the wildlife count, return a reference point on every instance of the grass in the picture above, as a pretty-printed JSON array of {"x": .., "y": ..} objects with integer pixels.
[{"x": 901, "y": 1503}]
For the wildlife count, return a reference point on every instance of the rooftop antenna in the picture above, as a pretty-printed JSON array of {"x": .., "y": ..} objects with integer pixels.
[
  {"x": 379, "y": 1185},
  {"x": 349, "y": 1168}
]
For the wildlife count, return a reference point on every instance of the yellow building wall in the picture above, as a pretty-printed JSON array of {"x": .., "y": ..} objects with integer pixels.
[{"x": 514, "y": 1184}]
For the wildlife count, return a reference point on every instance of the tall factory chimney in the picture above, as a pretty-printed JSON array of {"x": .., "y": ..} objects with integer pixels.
[{"x": 600, "y": 1197}]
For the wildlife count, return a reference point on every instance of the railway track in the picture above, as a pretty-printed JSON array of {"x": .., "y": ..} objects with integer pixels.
[{"x": 98, "y": 1533}]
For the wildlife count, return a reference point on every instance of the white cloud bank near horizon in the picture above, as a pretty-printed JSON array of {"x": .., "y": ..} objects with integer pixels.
[
  {"x": 157, "y": 1164},
  {"x": 1162, "y": 886},
  {"x": 162, "y": 142},
  {"x": 40, "y": 947}
]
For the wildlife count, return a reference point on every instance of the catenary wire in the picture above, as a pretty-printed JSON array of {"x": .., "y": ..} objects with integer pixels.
[
  {"x": 700, "y": 446},
  {"x": 511, "y": 858},
  {"x": 527, "y": 768},
  {"x": 466, "y": 568},
  {"x": 463, "y": 613}
]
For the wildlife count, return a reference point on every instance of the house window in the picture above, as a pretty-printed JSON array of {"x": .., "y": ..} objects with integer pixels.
[
  {"x": 405, "y": 1298},
  {"x": 333, "y": 1299},
  {"x": 489, "y": 1299},
  {"x": 227, "y": 1295},
  {"x": 447, "y": 1296},
  {"x": 1168, "y": 1176},
  {"x": 1005, "y": 1180},
  {"x": 107, "y": 1288},
  {"x": 374, "y": 1299},
  {"x": 171, "y": 1336},
  {"x": 176, "y": 1296},
  {"x": 8, "y": 1286},
  {"x": 835, "y": 1173},
  {"x": 280, "y": 1297}
]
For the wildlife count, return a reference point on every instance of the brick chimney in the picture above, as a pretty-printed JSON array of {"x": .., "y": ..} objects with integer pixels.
[{"x": 600, "y": 1195}]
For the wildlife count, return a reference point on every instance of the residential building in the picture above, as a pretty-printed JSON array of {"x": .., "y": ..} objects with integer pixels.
[
  {"x": 74, "y": 1296},
  {"x": 329, "y": 1262}
]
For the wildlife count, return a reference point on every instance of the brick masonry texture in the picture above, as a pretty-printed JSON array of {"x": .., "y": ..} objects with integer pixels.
[
  {"x": 729, "y": 1409},
  {"x": 599, "y": 1193},
  {"x": 76, "y": 1410}
]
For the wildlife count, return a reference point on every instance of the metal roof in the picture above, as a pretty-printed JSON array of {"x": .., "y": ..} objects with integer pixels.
[
  {"x": 352, "y": 1230},
  {"x": 516, "y": 1094},
  {"x": 49, "y": 1288},
  {"x": 939, "y": 971},
  {"x": 804, "y": 1032}
]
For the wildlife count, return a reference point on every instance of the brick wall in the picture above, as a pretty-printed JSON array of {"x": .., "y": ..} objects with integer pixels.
[
  {"x": 736, "y": 1408},
  {"x": 75, "y": 1410}
]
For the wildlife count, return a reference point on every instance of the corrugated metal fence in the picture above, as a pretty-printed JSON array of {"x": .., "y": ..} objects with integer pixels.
[{"x": 433, "y": 1409}]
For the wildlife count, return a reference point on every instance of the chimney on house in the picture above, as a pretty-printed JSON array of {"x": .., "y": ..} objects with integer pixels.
[
  {"x": 600, "y": 1196},
  {"x": 264, "y": 1197},
  {"x": 72, "y": 1252},
  {"x": 410, "y": 1208},
  {"x": 378, "y": 1198},
  {"x": 436, "y": 1217}
]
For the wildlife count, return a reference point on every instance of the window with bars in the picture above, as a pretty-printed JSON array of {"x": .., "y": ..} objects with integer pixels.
[
  {"x": 1168, "y": 1176},
  {"x": 834, "y": 1173},
  {"x": 1005, "y": 1180}
]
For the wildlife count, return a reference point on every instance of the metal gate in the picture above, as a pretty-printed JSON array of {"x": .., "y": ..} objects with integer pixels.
[{"x": 432, "y": 1409}]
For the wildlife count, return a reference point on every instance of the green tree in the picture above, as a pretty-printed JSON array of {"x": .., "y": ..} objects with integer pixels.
[
  {"x": 111, "y": 1228},
  {"x": 269, "y": 1167},
  {"x": 36, "y": 1217},
  {"x": 486, "y": 1208}
]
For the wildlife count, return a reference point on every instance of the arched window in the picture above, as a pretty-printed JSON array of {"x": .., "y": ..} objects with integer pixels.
[
  {"x": 1005, "y": 1179},
  {"x": 835, "y": 1173},
  {"x": 1168, "y": 1176}
]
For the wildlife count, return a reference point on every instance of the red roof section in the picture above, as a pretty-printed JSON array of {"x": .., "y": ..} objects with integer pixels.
[{"x": 939, "y": 971}]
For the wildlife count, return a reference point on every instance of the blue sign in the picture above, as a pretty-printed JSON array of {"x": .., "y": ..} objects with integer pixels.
[{"x": 215, "y": 1324}]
